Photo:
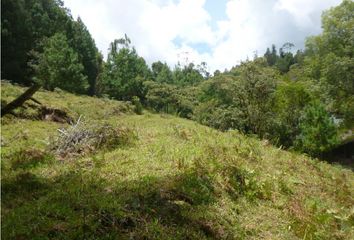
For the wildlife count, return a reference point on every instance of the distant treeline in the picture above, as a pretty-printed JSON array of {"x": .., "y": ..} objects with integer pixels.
[{"x": 289, "y": 99}]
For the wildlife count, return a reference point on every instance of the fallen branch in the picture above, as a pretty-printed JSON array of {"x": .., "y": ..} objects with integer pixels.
[
  {"x": 35, "y": 100},
  {"x": 19, "y": 101}
]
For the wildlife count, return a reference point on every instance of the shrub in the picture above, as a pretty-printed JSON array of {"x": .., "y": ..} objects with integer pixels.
[{"x": 138, "y": 107}]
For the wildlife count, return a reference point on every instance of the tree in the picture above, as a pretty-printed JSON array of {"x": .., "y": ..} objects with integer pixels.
[
  {"x": 290, "y": 100},
  {"x": 203, "y": 70},
  {"x": 219, "y": 105},
  {"x": 125, "y": 71},
  {"x": 24, "y": 25},
  {"x": 268, "y": 57},
  {"x": 99, "y": 88},
  {"x": 240, "y": 99},
  {"x": 161, "y": 72},
  {"x": 59, "y": 66},
  {"x": 330, "y": 59},
  {"x": 84, "y": 45},
  {"x": 318, "y": 132},
  {"x": 255, "y": 95},
  {"x": 284, "y": 62},
  {"x": 187, "y": 76},
  {"x": 161, "y": 96},
  {"x": 285, "y": 59},
  {"x": 274, "y": 55},
  {"x": 15, "y": 33}
]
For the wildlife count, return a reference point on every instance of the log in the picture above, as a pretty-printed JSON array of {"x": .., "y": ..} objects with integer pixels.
[{"x": 19, "y": 101}]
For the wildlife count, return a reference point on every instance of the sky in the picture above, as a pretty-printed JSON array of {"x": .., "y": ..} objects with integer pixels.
[{"x": 219, "y": 32}]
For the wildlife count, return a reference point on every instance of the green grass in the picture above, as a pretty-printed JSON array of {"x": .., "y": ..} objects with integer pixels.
[{"x": 179, "y": 180}]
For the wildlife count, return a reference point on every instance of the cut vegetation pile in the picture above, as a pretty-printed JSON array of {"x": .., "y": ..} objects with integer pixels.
[
  {"x": 82, "y": 138},
  {"x": 179, "y": 180}
]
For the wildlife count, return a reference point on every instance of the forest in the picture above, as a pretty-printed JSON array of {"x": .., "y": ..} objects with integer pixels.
[{"x": 241, "y": 153}]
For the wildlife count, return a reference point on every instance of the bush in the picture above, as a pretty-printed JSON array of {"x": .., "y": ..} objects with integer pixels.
[{"x": 138, "y": 107}]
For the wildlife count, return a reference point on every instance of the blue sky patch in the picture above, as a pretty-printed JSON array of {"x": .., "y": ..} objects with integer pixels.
[{"x": 216, "y": 10}]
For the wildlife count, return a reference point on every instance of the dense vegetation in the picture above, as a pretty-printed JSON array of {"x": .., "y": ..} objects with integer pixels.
[
  {"x": 100, "y": 150},
  {"x": 290, "y": 99},
  {"x": 156, "y": 176}
]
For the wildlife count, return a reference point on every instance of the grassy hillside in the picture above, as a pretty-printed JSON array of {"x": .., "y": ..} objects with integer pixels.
[{"x": 166, "y": 178}]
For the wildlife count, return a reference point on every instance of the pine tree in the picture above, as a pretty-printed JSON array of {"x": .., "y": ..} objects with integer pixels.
[
  {"x": 59, "y": 66},
  {"x": 84, "y": 45}
]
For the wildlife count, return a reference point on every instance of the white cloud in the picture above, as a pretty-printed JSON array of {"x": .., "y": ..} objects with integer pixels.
[
  {"x": 154, "y": 26},
  {"x": 305, "y": 12}
]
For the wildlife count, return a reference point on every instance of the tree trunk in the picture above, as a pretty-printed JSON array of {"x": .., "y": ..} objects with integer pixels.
[{"x": 18, "y": 102}]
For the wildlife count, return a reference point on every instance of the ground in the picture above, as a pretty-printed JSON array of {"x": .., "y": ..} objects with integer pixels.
[{"x": 175, "y": 179}]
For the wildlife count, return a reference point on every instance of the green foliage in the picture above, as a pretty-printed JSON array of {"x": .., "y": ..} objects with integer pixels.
[
  {"x": 138, "y": 107},
  {"x": 30, "y": 158},
  {"x": 271, "y": 56},
  {"x": 290, "y": 100},
  {"x": 14, "y": 27},
  {"x": 24, "y": 24},
  {"x": 187, "y": 76},
  {"x": 179, "y": 180},
  {"x": 318, "y": 132},
  {"x": 161, "y": 72},
  {"x": 330, "y": 59},
  {"x": 265, "y": 96},
  {"x": 124, "y": 72},
  {"x": 160, "y": 97},
  {"x": 169, "y": 98},
  {"x": 284, "y": 62},
  {"x": 242, "y": 101},
  {"x": 221, "y": 117},
  {"x": 82, "y": 42},
  {"x": 337, "y": 74},
  {"x": 255, "y": 95},
  {"x": 59, "y": 66},
  {"x": 27, "y": 24}
]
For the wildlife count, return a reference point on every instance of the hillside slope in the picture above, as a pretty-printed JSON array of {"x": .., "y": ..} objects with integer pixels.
[{"x": 175, "y": 180}]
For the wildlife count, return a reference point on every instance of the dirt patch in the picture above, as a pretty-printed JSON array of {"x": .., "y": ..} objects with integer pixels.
[
  {"x": 36, "y": 111},
  {"x": 55, "y": 115}
]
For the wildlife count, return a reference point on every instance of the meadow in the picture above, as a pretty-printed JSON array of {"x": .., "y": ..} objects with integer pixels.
[{"x": 157, "y": 176}]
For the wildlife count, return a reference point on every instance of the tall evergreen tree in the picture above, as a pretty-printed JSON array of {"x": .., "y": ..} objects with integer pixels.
[
  {"x": 161, "y": 72},
  {"x": 125, "y": 71},
  {"x": 84, "y": 45},
  {"x": 59, "y": 66},
  {"x": 25, "y": 24},
  {"x": 15, "y": 35}
]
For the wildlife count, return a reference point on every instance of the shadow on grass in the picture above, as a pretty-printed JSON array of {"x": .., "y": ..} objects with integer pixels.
[
  {"x": 82, "y": 205},
  {"x": 342, "y": 154}
]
